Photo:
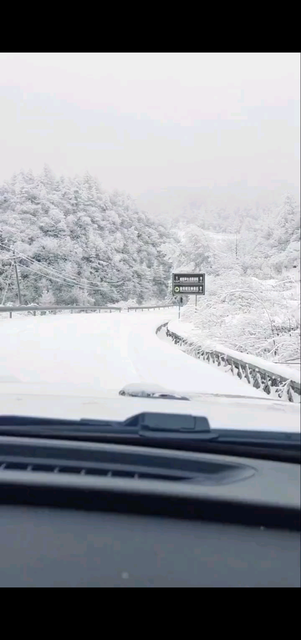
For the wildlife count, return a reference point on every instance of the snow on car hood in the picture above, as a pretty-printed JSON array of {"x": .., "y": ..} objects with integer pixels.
[{"x": 77, "y": 401}]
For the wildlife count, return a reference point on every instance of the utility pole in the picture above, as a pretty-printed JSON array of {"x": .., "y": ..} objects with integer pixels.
[{"x": 17, "y": 278}]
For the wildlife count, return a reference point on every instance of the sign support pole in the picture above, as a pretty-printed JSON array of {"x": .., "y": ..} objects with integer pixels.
[{"x": 196, "y": 302}]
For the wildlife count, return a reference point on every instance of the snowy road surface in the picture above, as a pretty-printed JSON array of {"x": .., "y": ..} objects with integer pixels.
[{"x": 105, "y": 350}]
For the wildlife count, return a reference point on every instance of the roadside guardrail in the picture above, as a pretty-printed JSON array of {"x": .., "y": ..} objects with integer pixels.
[
  {"x": 268, "y": 381},
  {"x": 37, "y": 310},
  {"x": 156, "y": 306}
]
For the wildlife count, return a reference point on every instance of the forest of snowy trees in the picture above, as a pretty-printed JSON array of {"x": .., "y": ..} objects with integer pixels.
[
  {"x": 74, "y": 243},
  {"x": 77, "y": 244},
  {"x": 251, "y": 258}
]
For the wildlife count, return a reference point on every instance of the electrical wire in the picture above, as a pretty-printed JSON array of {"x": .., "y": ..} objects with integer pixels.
[
  {"x": 61, "y": 277},
  {"x": 68, "y": 280},
  {"x": 50, "y": 277},
  {"x": 50, "y": 269},
  {"x": 57, "y": 273},
  {"x": 71, "y": 279}
]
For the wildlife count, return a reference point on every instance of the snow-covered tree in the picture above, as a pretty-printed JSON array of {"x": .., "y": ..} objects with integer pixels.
[
  {"x": 78, "y": 241},
  {"x": 252, "y": 301},
  {"x": 46, "y": 299}
]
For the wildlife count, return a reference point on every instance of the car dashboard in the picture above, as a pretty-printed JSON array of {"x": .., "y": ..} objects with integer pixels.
[{"x": 86, "y": 514}]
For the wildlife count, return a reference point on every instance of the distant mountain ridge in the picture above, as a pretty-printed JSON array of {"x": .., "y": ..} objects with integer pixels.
[{"x": 185, "y": 203}]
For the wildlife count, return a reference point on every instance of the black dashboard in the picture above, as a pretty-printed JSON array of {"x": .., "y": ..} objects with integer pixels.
[
  {"x": 100, "y": 515},
  {"x": 43, "y": 547}
]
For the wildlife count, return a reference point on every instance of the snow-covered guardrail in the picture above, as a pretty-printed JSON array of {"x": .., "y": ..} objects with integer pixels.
[
  {"x": 36, "y": 309},
  {"x": 156, "y": 306},
  {"x": 259, "y": 375}
]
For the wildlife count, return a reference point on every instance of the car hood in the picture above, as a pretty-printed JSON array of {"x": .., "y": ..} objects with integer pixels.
[{"x": 77, "y": 401}]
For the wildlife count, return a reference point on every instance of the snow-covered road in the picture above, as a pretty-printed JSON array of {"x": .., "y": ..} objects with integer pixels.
[{"x": 105, "y": 350}]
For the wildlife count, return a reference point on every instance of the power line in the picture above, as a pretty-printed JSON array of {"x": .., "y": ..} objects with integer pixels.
[
  {"x": 71, "y": 279},
  {"x": 21, "y": 255},
  {"x": 61, "y": 278},
  {"x": 50, "y": 277},
  {"x": 84, "y": 283},
  {"x": 55, "y": 279},
  {"x": 57, "y": 273},
  {"x": 47, "y": 268}
]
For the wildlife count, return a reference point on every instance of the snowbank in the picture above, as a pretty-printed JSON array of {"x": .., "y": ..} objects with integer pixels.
[{"x": 187, "y": 331}]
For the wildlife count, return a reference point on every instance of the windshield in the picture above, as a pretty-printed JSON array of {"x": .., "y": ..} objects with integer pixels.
[{"x": 150, "y": 237}]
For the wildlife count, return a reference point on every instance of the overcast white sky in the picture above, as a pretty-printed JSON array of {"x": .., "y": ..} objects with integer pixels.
[{"x": 144, "y": 122}]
